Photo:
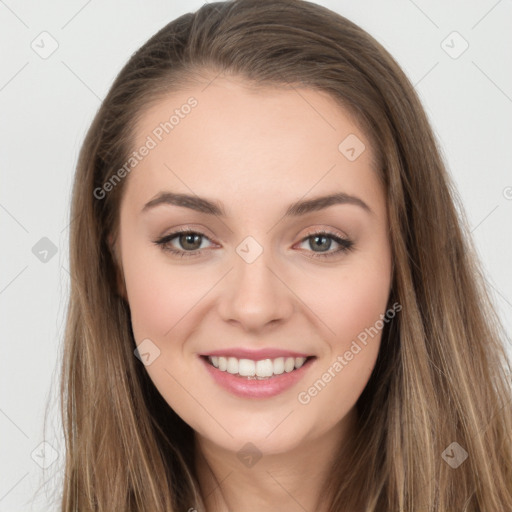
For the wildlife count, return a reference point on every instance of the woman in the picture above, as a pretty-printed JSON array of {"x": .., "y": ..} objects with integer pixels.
[{"x": 274, "y": 303}]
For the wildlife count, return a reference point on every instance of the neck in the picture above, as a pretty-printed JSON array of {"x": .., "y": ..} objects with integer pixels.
[{"x": 290, "y": 481}]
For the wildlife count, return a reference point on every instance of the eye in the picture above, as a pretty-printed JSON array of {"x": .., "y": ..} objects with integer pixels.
[
  {"x": 189, "y": 240},
  {"x": 323, "y": 241}
]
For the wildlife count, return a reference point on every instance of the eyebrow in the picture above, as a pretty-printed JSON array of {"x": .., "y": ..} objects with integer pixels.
[{"x": 302, "y": 207}]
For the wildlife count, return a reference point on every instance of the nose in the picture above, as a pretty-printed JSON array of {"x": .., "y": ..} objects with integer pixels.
[{"x": 255, "y": 294}]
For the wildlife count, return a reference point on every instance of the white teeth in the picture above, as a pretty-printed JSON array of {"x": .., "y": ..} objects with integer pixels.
[
  {"x": 279, "y": 365},
  {"x": 262, "y": 369},
  {"x": 232, "y": 365},
  {"x": 299, "y": 361},
  {"x": 289, "y": 364},
  {"x": 247, "y": 367}
]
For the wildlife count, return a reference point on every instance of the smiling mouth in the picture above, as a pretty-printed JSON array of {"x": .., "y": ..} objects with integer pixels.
[{"x": 257, "y": 370}]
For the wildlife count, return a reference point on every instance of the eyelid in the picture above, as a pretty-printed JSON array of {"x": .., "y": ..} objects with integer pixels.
[
  {"x": 165, "y": 240},
  {"x": 199, "y": 230},
  {"x": 346, "y": 243},
  {"x": 326, "y": 229},
  {"x": 310, "y": 232}
]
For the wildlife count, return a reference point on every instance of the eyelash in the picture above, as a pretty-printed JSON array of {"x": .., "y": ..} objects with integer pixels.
[{"x": 346, "y": 245}]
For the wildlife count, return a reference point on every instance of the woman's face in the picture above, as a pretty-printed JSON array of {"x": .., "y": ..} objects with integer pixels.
[{"x": 270, "y": 273}]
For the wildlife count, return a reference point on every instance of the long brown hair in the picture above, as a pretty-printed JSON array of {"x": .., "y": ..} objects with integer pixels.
[{"x": 442, "y": 375}]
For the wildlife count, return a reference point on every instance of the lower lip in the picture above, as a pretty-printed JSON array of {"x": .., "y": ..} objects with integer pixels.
[{"x": 255, "y": 388}]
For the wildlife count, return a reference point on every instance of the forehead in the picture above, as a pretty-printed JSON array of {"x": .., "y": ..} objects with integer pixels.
[{"x": 236, "y": 142}]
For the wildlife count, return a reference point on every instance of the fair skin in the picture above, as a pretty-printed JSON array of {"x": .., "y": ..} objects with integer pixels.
[{"x": 256, "y": 151}]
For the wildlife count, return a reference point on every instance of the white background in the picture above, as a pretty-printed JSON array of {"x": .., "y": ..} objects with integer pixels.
[{"x": 46, "y": 106}]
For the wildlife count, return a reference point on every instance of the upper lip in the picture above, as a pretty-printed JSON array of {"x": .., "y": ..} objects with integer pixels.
[{"x": 255, "y": 355}]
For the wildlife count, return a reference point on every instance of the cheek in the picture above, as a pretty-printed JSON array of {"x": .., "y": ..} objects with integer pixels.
[
  {"x": 159, "y": 294},
  {"x": 345, "y": 300},
  {"x": 353, "y": 311},
  {"x": 351, "y": 299},
  {"x": 350, "y": 304},
  {"x": 339, "y": 303}
]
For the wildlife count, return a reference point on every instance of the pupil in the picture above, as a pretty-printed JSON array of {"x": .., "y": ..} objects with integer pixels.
[
  {"x": 322, "y": 237},
  {"x": 189, "y": 238}
]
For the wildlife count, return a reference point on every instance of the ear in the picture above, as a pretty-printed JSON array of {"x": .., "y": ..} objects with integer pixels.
[{"x": 114, "y": 250}]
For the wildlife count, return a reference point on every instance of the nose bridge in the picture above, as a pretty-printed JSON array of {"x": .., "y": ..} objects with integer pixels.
[{"x": 254, "y": 295}]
